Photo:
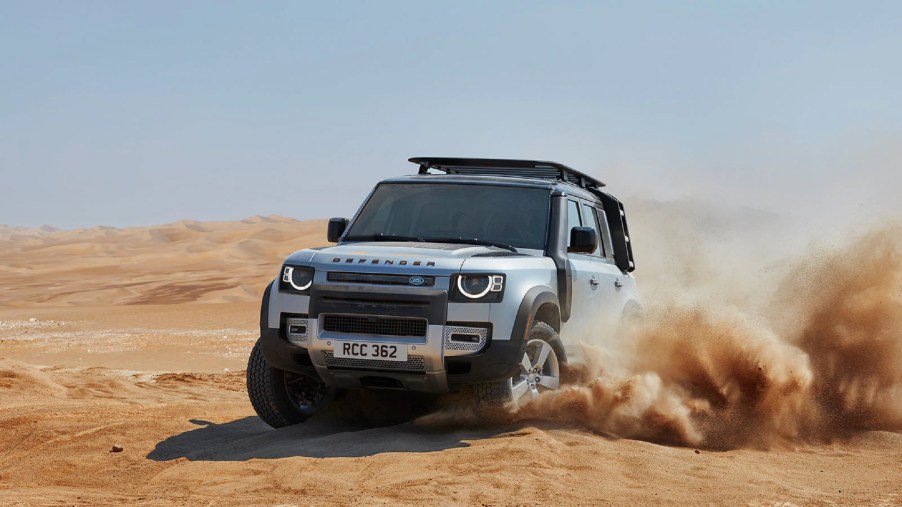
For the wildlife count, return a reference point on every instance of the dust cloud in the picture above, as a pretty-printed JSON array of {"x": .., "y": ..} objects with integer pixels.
[{"x": 750, "y": 338}]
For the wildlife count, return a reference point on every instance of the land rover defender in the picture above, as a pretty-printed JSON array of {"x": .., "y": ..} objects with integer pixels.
[{"x": 476, "y": 274}]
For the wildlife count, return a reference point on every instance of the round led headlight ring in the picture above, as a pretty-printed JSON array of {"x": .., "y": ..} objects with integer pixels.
[
  {"x": 474, "y": 287},
  {"x": 299, "y": 279}
]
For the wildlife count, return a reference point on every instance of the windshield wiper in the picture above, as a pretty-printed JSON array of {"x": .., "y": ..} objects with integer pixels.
[
  {"x": 473, "y": 241},
  {"x": 385, "y": 237}
]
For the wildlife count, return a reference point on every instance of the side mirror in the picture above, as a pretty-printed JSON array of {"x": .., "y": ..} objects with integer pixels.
[
  {"x": 336, "y": 228},
  {"x": 583, "y": 240}
]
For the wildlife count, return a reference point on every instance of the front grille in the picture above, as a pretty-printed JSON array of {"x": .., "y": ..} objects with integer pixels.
[
  {"x": 382, "y": 279},
  {"x": 428, "y": 304},
  {"x": 374, "y": 325},
  {"x": 413, "y": 363},
  {"x": 380, "y": 303}
]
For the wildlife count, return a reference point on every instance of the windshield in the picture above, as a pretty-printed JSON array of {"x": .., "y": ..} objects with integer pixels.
[{"x": 504, "y": 215}]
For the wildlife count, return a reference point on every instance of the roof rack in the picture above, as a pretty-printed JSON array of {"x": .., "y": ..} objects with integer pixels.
[{"x": 506, "y": 167}]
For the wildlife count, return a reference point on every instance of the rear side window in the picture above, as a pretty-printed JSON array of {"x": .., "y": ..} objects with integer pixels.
[
  {"x": 572, "y": 218},
  {"x": 591, "y": 220},
  {"x": 605, "y": 233}
]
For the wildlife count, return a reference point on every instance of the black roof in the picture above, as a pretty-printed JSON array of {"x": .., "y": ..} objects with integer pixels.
[{"x": 507, "y": 167}]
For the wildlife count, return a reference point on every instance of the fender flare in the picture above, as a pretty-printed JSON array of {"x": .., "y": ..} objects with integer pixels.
[
  {"x": 529, "y": 306},
  {"x": 264, "y": 309}
]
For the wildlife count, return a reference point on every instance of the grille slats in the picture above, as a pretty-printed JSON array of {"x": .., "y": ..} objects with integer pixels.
[
  {"x": 375, "y": 302},
  {"x": 413, "y": 363},
  {"x": 375, "y": 325},
  {"x": 380, "y": 279}
]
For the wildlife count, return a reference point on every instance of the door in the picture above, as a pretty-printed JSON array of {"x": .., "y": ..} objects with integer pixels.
[
  {"x": 609, "y": 281},
  {"x": 597, "y": 282}
]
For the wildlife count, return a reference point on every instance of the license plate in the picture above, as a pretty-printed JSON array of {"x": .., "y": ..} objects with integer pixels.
[{"x": 381, "y": 351}]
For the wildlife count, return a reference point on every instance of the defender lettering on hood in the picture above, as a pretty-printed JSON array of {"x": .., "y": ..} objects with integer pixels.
[{"x": 384, "y": 262}]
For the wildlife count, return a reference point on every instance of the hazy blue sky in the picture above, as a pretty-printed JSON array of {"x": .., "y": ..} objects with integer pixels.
[{"x": 128, "y": 113}]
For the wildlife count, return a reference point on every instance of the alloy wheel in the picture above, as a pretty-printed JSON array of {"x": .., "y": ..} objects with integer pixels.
[{"x": 539, "y": 372}]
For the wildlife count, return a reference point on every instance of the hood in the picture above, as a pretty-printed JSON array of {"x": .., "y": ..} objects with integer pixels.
[{"x": 391, "y": 256}]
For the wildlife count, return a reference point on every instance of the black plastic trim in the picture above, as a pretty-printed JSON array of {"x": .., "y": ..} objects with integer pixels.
[
  {"x": 532, "y": 301},
  {"x": 430, "y": 304},
  {"x": 499, "y": 361},
  {"x": 337, "y": 227},
  {"x": 264, "y": 308},
  {"x": 379, "y": 279},
  {"x": 507, "y": 167},
  {"x": 620, "y": 234},
  {"x": 557, "y": 251},
  {"x": 583, "y": 240},
  {"x": 283, "y": 355},
  {"x": 377, "y": 370}
]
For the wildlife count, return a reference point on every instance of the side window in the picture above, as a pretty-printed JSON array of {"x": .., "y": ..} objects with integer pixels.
[
  {"x": 592, "y": 221},
  {"x": 572, "y": 218},
  {"x": 605, "y": 234}
]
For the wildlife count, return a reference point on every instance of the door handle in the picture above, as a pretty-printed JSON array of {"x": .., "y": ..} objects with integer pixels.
[
  {"x": 593, "y": 282},
  {"x": 618, "y": 283}
]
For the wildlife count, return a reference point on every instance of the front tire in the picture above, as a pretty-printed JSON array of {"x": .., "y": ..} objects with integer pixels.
[
  {"x": 282, "y": 398},
  {"x": 540, "y": 370}
]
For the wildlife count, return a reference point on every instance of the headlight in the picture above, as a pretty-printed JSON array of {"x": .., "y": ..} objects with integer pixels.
[
  {"x": 482, "y": 288},
  {"x": 296, "y": 279}
]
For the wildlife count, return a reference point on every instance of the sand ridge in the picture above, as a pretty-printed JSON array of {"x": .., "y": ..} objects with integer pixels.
[
  {"x": 138, "y": 337},
  {"x": 180, "y": 262}
]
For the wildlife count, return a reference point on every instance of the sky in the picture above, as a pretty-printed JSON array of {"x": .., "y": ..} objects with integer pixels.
[{"x": 139, "y": 113}]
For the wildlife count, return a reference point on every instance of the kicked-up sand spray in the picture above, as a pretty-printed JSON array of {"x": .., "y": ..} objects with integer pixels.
[{"x": 821, "y": 359}]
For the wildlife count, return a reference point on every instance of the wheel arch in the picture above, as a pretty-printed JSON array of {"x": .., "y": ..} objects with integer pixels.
[
  {"x": 539, "y": 303},
  {"x": 264, "y": 309},
  {"x": 550, "y": 314}
]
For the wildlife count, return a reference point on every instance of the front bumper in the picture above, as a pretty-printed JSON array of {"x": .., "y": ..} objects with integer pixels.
[{"x": 434, "y": 365}]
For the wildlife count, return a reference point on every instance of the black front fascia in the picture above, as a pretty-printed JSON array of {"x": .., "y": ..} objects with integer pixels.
[
  {"x": 557, "y": 250},
  {"x": 499, "y": 361},
  {"x": 429, "y": 304}
]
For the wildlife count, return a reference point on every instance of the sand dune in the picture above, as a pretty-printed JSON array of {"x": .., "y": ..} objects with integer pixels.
[
  {"x": 103, "y": 341},
  {"x": 185, "y": 261}
]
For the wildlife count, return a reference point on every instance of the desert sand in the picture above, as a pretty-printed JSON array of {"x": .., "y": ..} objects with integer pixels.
[{"x": 138, "y": 338}]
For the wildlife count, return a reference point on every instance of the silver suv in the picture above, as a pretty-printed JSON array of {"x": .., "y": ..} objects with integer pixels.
[{"x": 475, "y": 273}]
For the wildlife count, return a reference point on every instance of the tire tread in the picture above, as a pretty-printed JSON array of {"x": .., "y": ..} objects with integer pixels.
[{"x": 262, "y": 390}]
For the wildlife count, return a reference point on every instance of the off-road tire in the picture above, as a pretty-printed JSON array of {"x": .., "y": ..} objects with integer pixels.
[
  {"x": 266, "y": 390},
  {"x": 499, "y": 392},
  {"x": 492, "y": 393}
]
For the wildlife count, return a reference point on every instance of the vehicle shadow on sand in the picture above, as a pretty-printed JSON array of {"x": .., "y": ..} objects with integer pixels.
[{"x": 332, "y": 434}]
